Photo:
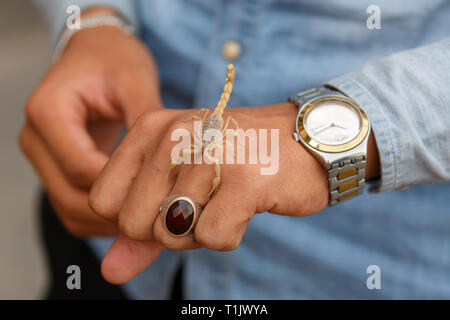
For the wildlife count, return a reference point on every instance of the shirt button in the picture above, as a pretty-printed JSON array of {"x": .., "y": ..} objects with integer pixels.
[{"x": 231, "y": 50}]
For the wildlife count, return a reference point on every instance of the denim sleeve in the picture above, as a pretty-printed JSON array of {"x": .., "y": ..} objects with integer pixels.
[
  {"x": 55, "y": 13},
  {"x": 407, "y": 99}
]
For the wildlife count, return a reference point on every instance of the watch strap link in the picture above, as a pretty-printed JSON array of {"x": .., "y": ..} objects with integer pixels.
[
  {"x": 346, "y": 178},
  {"x": 313, "y": 93}
]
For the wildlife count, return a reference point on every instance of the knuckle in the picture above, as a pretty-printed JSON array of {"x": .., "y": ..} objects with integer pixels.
[
  {"x": 179, "y": 124},
  {"x": 167, "y": 243},
  {"x": 127, "y": 228},
  {"x": 96, "y": 203},
  {"x": 132, "y": 230},
  {"x": 202, "y": 238},
  {"x": 228, "y": 245},
  {"x": 75, "y": 170},
  {"x": 34, "y": 107},
  {"x": 213, "y": 241},
  {"x": 31, "y": 108},
  {"x": 231, "y": 246},
  {"x": 146, "y": 122},
  {"x": 24, "y": 142}
]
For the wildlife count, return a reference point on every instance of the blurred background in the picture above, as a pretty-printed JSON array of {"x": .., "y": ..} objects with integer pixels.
[{"x": 24, "y": 58}]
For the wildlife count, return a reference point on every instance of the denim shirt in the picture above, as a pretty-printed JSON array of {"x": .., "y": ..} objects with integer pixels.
[{"x": 399, "y": 74}]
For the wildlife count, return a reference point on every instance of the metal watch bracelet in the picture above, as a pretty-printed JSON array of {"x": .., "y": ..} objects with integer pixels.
[{"x": 346, "y": 176}]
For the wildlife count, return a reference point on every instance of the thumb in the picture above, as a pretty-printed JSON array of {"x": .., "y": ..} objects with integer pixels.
[
  {"x": 127, "y": 258},
  {"x": 137, "y": 93}
]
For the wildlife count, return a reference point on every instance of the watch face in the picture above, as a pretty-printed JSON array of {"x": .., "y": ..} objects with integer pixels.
[{"x": 332, "y": 122}]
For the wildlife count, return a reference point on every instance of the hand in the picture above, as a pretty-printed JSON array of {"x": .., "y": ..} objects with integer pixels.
[
  {"x": 103, "y": 79},
  {"x": 132, "y": 186}
]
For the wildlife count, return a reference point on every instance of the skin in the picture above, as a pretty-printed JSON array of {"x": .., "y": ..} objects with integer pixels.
[
  {"x": 133, "y": 184},
  {"x": 103, "y": 80},
  {"x": 73, "y": 122}
]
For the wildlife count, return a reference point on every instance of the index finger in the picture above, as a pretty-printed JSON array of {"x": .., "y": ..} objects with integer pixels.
[{"x": 64, "y": 130}]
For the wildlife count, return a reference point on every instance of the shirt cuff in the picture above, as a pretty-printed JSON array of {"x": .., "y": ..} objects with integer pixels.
[
  {"x": 381, "y": 128},
  {"x": 56, "y": 15}
]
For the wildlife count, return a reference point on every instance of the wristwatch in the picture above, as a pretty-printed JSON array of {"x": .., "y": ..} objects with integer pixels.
[{"x": 335, "y": 129}]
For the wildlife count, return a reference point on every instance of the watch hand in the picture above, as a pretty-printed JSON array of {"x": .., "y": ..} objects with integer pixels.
[
  {"x": 326, "y": 126},
  {"x": 321, "y": 128},
  {"x": 338, "y": 126}
]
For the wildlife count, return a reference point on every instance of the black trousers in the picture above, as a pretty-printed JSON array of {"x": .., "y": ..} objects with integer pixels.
[{"x": 63, "y": 250}]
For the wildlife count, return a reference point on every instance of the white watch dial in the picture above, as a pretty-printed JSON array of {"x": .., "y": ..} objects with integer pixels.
[{"x": 333, "y": 122}]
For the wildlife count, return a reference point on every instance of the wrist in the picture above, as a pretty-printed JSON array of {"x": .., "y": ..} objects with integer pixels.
[
  {"x": 93, "y": 19},
  {"x": 336, "y": 130}
]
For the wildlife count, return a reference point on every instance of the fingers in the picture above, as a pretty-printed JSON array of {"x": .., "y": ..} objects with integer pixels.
[
  {"x": 220, "y": 227},
  {"x": 61, "y": 122},
  {"x": 139, "y": 216},
  {"x": 137, "y": 92},
  {"x": 149, "y": 188},
  {"x": 151, "y": 184},
  {"x": 83, "y": 230},
  {"x": 134, "y": 183},
  {"x": 225, "y": 218},
  {"x": 70, "y": 203},
  {"x": 127, "y": 258},
  {"x": 109, "y": 191},
  {"x": 194, "y": 181}
]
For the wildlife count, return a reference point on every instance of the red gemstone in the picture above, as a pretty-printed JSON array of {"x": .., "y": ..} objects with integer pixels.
[{"x": 179, "y": 217}]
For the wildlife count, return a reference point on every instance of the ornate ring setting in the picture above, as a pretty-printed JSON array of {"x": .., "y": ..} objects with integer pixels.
[{"x": 179, "y": 214}]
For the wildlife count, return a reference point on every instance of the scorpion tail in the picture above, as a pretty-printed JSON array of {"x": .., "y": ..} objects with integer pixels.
[{"x": 225, "y": 96}]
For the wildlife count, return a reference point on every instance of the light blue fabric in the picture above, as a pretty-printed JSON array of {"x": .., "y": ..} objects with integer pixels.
[
  {"x": 56, "y": 15},
  {"x": 289, "y": 46}
]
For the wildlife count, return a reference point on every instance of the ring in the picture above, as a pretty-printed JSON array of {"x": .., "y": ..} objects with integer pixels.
[{"x": 179, "y": 214}]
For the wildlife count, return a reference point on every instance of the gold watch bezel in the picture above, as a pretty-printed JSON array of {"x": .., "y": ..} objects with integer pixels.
[{"x": 326, "y": 147}]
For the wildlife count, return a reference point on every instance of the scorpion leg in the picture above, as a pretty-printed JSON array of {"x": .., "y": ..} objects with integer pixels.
[
  {"x": 192, "y": 150},
  {"x": 216, "y": 180},
  {"x": 227, "y": 123},
  {"x": 235, "y": 131},
  {"x": 197, "y": 117}
]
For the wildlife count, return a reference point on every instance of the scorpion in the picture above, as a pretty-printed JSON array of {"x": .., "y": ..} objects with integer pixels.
[{"x": 204, "y": 143}]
